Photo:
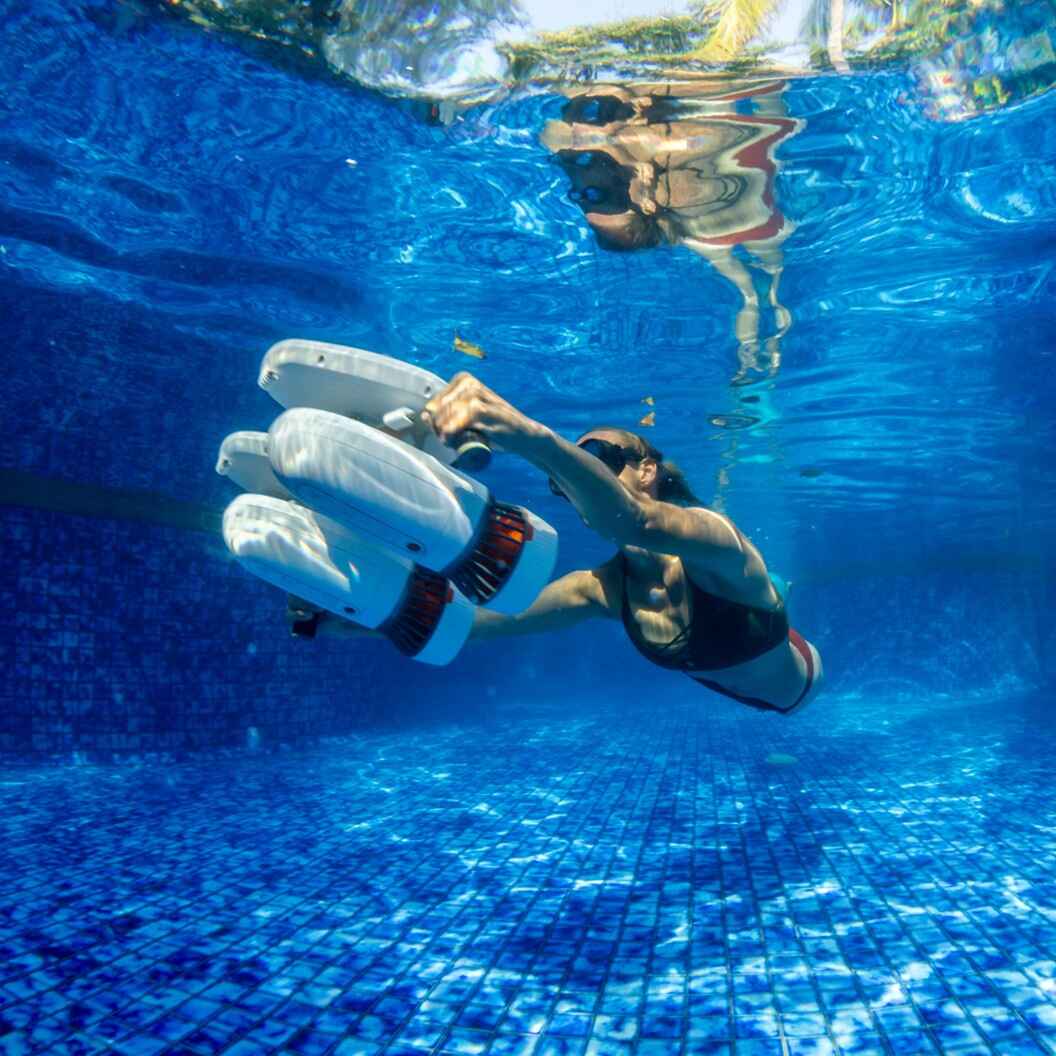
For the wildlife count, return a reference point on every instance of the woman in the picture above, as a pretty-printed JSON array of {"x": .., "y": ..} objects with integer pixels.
[{"x": 692, "y": 591}]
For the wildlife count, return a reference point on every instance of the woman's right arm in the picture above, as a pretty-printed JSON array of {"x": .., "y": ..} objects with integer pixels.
[
  {"x": 573, "y": 598},
  {"x": 569, "y": 600}
]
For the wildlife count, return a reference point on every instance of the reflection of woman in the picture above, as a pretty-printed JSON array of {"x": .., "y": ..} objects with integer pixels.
[
  {"x": 682, "y": 164},
  {"x": 693, "y": 593}
]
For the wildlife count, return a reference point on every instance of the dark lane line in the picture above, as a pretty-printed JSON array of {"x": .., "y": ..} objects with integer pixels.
[{"x": 96, "y": 500}]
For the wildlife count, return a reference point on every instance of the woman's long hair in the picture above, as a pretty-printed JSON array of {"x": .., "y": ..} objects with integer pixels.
[{"x": 672, "y": 485}]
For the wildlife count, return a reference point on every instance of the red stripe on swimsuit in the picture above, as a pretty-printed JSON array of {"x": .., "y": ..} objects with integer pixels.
[{"x": 758, "y": 154}]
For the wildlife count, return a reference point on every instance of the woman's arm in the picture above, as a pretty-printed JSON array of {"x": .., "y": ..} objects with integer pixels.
[
  {"x": 569, "y": 600},
  {"x": 598, "y": 496},
  {"x": 699, "y": 536},
  {"x": 602, "y": 501}
]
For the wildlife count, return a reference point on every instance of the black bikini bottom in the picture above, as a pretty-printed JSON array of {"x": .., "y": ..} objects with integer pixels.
[{"x": 800, "y": 645}]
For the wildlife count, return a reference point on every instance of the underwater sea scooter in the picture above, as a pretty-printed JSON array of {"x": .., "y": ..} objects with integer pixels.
[
  {"x": 383, "y": 392},
  {"x": 243, "y": 459},
  {"x": 307, "y": 554},
  {"x": 402, "y": 498}
]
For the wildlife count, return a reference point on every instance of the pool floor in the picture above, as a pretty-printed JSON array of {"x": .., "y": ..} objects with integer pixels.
[{"x": 557, "y": 883}]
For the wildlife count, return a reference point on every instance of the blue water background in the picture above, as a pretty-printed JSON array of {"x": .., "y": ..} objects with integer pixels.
[
  {"x": 548, "y": 845},
  {"x": 172, "y": 205}
]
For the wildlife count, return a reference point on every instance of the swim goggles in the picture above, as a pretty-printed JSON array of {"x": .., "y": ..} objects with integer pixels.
[
  {"x": 614, "y": 456},
  {"x": 590, "y": 195},
  {"x": 615, "y": 196}
]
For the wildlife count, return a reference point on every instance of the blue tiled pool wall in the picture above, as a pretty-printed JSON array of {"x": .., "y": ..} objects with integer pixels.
[
  {"x": 127, "y": 371},
  {"x": 1045, "y": 618},
  {"x": 949, "y": 630},
  {"x": 121, "y": 638},
  {"x": 120, "y": 396},
  {"x": 125, "y": 639}
]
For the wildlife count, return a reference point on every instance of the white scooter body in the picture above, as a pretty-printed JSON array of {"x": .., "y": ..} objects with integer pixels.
[
  {"x": 399, "y": 518},
  {"x": 243, "y": 459},
  {"x": 383, "y": 392},
  {"x": 404, "y": 499},
  {"x": 306, "y": 554}
]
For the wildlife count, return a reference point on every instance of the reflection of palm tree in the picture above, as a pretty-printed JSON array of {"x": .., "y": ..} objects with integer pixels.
[
  {"x": 739, "y": 21},
  {"x": 835, "y": 37},
  {"x": 736, "y": 23},
  {"x": 398, "y": 43},
  {"x": 377, "y": 42},
  {"x": 825, "y": 20}
]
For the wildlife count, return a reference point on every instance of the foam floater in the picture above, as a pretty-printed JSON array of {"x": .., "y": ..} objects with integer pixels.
[
  {"x": 383, "y": 392},
  {"x": 307, "y": 554},
  {"x": 402, "y": 498}
]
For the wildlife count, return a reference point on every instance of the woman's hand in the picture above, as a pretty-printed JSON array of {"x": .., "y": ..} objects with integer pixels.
[
  {"x": 467, "y": 403},
  {"x": 306, "y": 620}
]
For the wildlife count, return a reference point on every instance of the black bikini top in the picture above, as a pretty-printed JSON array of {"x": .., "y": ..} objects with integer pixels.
[{"x": 721, "y": 632}]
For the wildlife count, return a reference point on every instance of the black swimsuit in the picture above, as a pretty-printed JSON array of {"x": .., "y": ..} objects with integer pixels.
[{"x": 721, "y": 633}]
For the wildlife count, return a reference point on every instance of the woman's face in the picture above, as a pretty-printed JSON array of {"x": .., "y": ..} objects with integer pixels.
[
  {"x": 600, "y": 185},
  {"x": 630, "y": 475}
]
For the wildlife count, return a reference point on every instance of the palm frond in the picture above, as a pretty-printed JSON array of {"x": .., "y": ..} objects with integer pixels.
[
  {"x": 737, "y": 22},
  {"x": 815, "y": 23}
]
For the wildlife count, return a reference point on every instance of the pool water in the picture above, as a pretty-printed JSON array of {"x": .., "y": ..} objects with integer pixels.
[{"x": 218, "y": 839}]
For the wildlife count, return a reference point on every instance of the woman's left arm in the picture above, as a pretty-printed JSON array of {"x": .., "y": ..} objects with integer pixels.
[
  {"x": 602, "y": 501},
  {"x": 701, "y": 537},
  {"x": 696, "y": 535}
]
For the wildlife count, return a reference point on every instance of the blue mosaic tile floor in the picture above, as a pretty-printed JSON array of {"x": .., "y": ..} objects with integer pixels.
[{"x": 550, "y": 885}]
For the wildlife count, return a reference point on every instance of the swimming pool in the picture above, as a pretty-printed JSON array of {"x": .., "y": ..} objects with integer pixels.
[{"x": 220, "y": 839}]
